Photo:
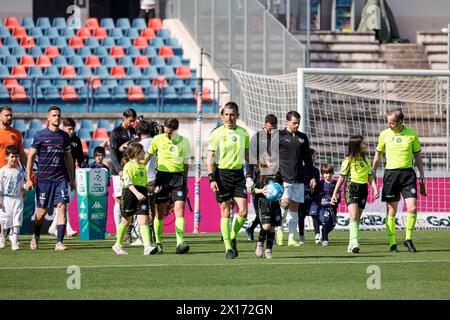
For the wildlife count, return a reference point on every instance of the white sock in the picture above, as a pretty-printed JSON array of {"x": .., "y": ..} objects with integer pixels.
[
  {"x": 69, "y": 228},
  {"x": 117, "y": 215},
  {"x": 15, "y": 235},
  {"x": 54, "y": 222},
  {"x": 292, "y": 225}
]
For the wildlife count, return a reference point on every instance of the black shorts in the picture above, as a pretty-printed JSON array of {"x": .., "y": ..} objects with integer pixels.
[
  {"x": 231, "y": 184},
  {"x": 130, "y": 205},
  {"x": 171, "y": 183},
  {"x": 269, "y": 211},
  {"x": 151, "y": 196},
  {"x": 396, "y": 181},
  {"x": 303, "y": 208},
  {"x": 356, "y": 193}
]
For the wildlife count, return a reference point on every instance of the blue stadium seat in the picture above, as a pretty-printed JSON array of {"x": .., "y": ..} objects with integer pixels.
[
  {"x": 108, "y": 61},
  {"x": 38, "y": 93},
  {"x": 167, "y": 72},
  {"x": 4, "y": 32},
  {"x": 133, "y": 52},
  {"x": 177, "y": 83},
  {"x": 44, "y": 83},
  {"x": 117, "y": 123},
  {"x": 150, "y": 52},
  {"x": 77, "y": 83},
  {"x": 92, "y": 43},
  {"x": 10, "y": 42},
  {"x": 27, "y": 143},
  {"x": 51, "y": 33},
  {"x": 67, "y": 33},
  {"x": 4, "y": 52},
  {"x": 123, "y": 42},
  {"x": 172, "y": 42},
  {"x": 163, "y": 33},
  {"x": 192, "y": 83},
  {"x": 82, "y": 92},
  {"x": 103, "y": 123},
  {"x": 59, "y": 83},
  {"x": 35, "y": 52},
  {"x": 35, "y": 124},
  {"x": 193, "y": 74},
  {"x": 4, "y": 93},
  {"x": 150, "y": 71},
  {"x": 35, "y": 32},
  {"x": 29, "y": 134},
  {"x": 43, "y": 23},
  {"x": 145, "y": 83},
  {"x": 84, "y": 134},
  {"x": 169, "y": 93},
  {"x": 59, "y": 61},
  {"x": 51, "y": 71},
  {"x": 134, "y": 71},
  {"x": 35, "y": 71},
  {"x": 101, "y": 51},
  {"x": 101, "y": 71},
  {"x": 186, "y": 93},
  {"x": 25, "y": 82},
  {"x": 27, "y": 23},
  {"x": 59, "y": 23},
  {"x": 18, "y": 124},
  {"x": 107, "y": 23},
  {"x": 10, "y": 61},
  {"x": 158, "y": 62},
  {"x": 139, "y": 24},
  {"x": 151, "y": 92},
  {"x": 4, "y": 71},
  {"x": 108, "y": 43},
  {"x": 102, "y": 93},
  {"x": 175, "y": 61},
  {"x": 92, "y": 145},
  {"x": 157, "y": 43},
  {"x": 110, "y": 83},
  {"x": 84, "y": 71},
  {"x": 84, "y": 52},
  {"x": 115, "y": 33},
  {"x": 125, "y": 61},
  {"x": 119, "y": 93},
  {"x": 43, "y": 42},
  {"x": 87, "y": 124},
  {"x": 68, "y": 52},
  {"x": 59, "y": 42},
  {"x": 126, "y": 83},
  {"x": 123, "y": 23},
  {"x": 131, "y": 33},
  {"x": 18, "y": 52},
  {"x": 76, "y": 61}
]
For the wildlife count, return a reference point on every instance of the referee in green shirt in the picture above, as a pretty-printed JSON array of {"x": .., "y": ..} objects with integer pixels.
[
  {"x": 401, "y": 145},
  {"x": 230, "y": 143}
]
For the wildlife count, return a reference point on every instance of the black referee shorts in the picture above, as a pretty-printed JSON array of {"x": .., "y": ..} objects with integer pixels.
[
  {"x": 130, "y": 205},
  {"x": 356, "y": 193},
  {"x": 231, "y": 184},
  {"x": 269, "y": 211},
  {"x": 396, "y": 181},
  {"x": 171, "y": 183}
]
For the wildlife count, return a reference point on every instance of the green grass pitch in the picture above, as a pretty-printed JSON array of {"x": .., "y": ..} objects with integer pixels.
[{"x": 306, "y": 272}]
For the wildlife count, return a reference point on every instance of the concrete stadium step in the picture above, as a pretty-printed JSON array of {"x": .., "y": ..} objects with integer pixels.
[
  {"x": 329, "y": 36},
  {"x": 435, "y": 45}
]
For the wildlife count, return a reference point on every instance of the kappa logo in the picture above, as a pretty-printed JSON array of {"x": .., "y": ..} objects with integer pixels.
[
  {"x": 399, "y": 140},
  {"x": 234, "y": 138},
  {"x": 172, "y": 149},
  {"x": 97, "y": 205},
  {"x": 48, "y": 141}
]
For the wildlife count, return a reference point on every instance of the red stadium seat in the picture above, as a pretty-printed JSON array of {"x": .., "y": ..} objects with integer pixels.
[
  {"x": 184, "y": 72},
  {"x": 18, "y": 94},
  {"x": 19, "y": 71},
  {"x": 155, "y": 24},
  {"x": 206, "y": 95},
  {"x": 91, "y": 24},
  {"x": 95, "y": 82},
  {"x": 93, "y": 62},
  {"x": 1, "y": 43},
  {"x": 160, "y": 82},
  {"x": 27, "y": 42},
  {"x": 166, "y": 52},
  {"x": 135, "y": 93},
  {"x": 11, "y": 23},
  {"x": 142, "y": 62},
  {"x": 100, "y": 134},
  {"x": 148, "y": 34},
  {"x": 69, "y": 93},
  {"x": 76, "y": 42},
  {"x": 52, "y": 52},
  {"x": 100, "y": 33},
  {"x": 117, "y": 52},
  {"x": 118, "y": 72},
  {"x": 19, "y": 33},
  {"x": 84, "y": 146},
  {"x": 68, "y": 71},
  {"x": 84, "y": 33},
  {"x": 27, "y": 61},
  {"x": 10, "y": 83},
  {"x": 43, "y": 62},
  {"x": 140, "y": 42}
]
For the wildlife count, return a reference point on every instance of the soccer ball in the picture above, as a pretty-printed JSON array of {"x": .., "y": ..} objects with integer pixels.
[{"x": 274, "y": 191}]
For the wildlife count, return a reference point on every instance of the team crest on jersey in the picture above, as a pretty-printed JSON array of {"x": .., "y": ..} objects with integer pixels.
[
  {"x": 362, "y": 164},
  {"x": 234, "y": 138},
  {"x": 413, "y": 191},
  {"x": 180, "y": 193},
  {"x": 172, "y": 149},
  {"x": 13, "y": 137},
  {"x": 399, "y": 140},
  {"x": 143, "y": 207},
  {"x": 301, "y": 140},
  {"x": 141, "y": 173}
]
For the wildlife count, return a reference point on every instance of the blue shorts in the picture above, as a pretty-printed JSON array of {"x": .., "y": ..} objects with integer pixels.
[{"x": 51, "y": 193}]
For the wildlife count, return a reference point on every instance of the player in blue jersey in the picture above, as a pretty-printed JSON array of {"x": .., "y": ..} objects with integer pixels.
[{"x": 55, "y": 165}]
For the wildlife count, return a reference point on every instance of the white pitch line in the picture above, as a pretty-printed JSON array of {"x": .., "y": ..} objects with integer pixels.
[{"x": 271, "y": 263}]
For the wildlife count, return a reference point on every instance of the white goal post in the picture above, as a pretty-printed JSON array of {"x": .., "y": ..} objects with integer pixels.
[{"x": 337, "y": 103}]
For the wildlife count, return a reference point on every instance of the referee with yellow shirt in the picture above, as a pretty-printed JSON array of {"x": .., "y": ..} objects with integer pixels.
[
  {"x": 401, "y": 145},
  {"x": 230, "y": 143}
]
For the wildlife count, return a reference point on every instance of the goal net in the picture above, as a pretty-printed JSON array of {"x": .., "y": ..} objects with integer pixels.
[{"x": 335, "y": 104}]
